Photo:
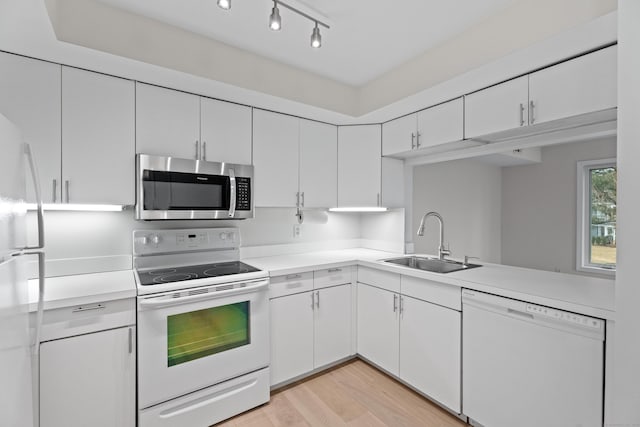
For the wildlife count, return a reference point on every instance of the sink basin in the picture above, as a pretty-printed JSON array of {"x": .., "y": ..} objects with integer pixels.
[{"x": 434, "y": 265}]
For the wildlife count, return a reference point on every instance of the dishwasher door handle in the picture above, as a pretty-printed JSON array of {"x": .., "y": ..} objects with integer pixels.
[{"x": 520, "y": 313}]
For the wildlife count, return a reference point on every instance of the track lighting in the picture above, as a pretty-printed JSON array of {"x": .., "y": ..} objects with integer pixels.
[
  {"x": 316, "y": 38},
  {"x": 224, "y": 4},
  {"x": 275, "y": 22}
]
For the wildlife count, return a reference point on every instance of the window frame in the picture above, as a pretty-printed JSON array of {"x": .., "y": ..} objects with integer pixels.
[{"x": 583, "y": 214}]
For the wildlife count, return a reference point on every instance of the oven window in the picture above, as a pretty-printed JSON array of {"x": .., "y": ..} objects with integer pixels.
[{"x": 201, "y": 333}]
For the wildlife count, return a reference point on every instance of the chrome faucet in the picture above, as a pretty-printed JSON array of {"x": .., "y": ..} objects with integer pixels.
[{"x": 442, "y": 252}]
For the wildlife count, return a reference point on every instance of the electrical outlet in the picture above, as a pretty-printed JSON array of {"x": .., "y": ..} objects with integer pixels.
[{"x": 296, "y": 230}]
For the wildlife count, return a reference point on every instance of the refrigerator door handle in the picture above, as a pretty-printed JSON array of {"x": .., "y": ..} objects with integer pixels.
[
  {"x": 36, "y": 185},
  {"x": 40, "y": 312}
]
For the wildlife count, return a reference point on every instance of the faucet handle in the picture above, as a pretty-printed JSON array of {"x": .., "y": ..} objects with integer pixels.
[
  {"x": 467, "y": 258},
  {"x": 445, "y": 251}
]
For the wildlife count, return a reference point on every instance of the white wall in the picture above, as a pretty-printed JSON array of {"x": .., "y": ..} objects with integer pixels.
[
  {"x": 623, "y": 380},
  {"x": 539, "y": 206},
  {"x": 383, "y": 231},
  {"x": 467, "y": 193}
]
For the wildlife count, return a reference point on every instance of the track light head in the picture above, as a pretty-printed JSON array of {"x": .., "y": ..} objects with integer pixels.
[
  {"x": 224, "y": 4},
  {"x": 275, "y": 22},
  {"x": 316, "y": 38}
]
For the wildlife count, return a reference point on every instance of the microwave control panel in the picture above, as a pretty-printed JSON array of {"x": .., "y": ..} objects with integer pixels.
[{"x": 243, "y": 194}]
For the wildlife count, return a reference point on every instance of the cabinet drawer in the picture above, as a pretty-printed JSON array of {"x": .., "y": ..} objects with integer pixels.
[
  {"x": 381, "y": 279},
  {"x": 437, "y": 293},
  {"x": 331, "y": 277},
  {"x": 290, "y": 284},
  {"x": 86, "y": 318}
]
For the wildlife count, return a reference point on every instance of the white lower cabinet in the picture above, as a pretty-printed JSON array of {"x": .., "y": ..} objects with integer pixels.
[
  {"x": 89, "y": 380},
  {"x": 310, "y": 329},
  {"x": 291, "y": 336},
  {"x": 378, "y": 327},
  {"x": 430, "y": 350}
]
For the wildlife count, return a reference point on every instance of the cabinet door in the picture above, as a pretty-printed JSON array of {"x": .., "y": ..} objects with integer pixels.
[
  {"x": 275, "y": 159},
  {"x": 497, "y": 108},
  {"x": 359, "y": 165},
  {"x": 318, "y": 164},
  {"x": 89, "y": 380},
  {"x": 441, "y": 124},
  {"x": 332, "y": 333},
  {"x": 378, "y": 328},
  {"x": 430, "y": 350},
  {"x": 98, "y": 131},
  {"x": 291, "y": 336},
  {"x": 30, "y": 98},
  {"x": 399, "y": 135},
  {"x": 167, "y": 122},
  {"x": 581, "y": 85},
  {"x": 225, "y": 131}
]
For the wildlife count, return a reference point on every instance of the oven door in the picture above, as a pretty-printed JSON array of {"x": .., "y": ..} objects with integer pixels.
[{"x": 195, "y": 338}]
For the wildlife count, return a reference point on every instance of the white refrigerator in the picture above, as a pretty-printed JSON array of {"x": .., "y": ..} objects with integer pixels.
[{"x": 18, "y": 346}]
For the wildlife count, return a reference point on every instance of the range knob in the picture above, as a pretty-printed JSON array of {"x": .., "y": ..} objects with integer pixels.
[
  {"x": 155, "y": 239},
  {"x": 223, "y": 236},
  {"x": 144, "y": 240}
]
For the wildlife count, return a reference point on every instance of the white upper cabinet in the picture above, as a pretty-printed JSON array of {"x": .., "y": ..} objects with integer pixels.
[
  {"x": 30, "y": 98},
  {"x": 582, "y": 85},
  {"x": 399, "y": 135},
  {"x": 275, "y": 159},
  {"x": 98, "y": 128},
  {"x": 225, "y": 132},
  {"x": 359, "y": 166},
  {"x": 497, "y": 108},
  {"x": 318, "y": 164},
  {"x": 167, "y": 122},
  {"x": 440, "y": 124}
]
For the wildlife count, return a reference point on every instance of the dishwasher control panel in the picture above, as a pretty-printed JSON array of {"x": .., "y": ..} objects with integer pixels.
[{"x": 564, "y": 316}]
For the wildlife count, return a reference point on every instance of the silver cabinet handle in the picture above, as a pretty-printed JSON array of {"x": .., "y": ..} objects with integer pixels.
[
  {"x": 334, "y": 270},
  {"x": 313, "y": 299},
  {"x": 532, "y": 116},
  {"x": 293, "y": 276},
  {"x": 298, "y": 199},
  {"x": 521, "y": 114},
  {"x": 302, "y": 195},
  {"x": 204, "y": 150},
  {"x": 318, "y": 299},
  {"x": 83, "y": 308},
  {"x": 232, "y": 197},
  {"x": 378, "y": 199},
  {"x": 130, "y": 340},
  {"x": 395, "y": 302},
  {"x": 66, "y": 187},
  {"x": 401, "y": 305},
  {"x": 55, "y": 188},
  {"x": 418, "y": 135},
  {"x": 413, "y": 141},
  {"x": 197, "y": 150}
]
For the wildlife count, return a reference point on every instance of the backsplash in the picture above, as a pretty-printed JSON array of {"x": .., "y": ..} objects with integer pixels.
[{"x": 85, "y": 242}]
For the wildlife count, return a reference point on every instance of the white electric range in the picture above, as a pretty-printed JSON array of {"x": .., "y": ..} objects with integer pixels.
[{"x": 203, "y": 327}]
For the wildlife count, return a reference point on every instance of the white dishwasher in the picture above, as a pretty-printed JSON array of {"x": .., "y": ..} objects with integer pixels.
[{"x": 528, "y": 365}]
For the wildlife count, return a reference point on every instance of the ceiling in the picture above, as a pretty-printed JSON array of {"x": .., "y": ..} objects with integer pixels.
[{"x": 367, "y": 37}]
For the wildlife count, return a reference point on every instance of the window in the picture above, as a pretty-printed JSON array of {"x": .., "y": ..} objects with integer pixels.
[{"x": 597, "y": 213}]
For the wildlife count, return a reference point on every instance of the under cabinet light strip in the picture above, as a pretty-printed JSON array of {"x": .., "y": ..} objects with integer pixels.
[
  {"x": 359, "y": 209},
  {"x": 76, "y": 207}
]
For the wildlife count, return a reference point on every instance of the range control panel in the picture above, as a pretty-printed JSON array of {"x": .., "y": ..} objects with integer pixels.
[
  {"x": 577, "y": 319},
  {"x": 152, "y": 242}
]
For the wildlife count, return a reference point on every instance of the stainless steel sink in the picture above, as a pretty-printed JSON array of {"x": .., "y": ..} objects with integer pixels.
[{"x": 434, "y": 265}]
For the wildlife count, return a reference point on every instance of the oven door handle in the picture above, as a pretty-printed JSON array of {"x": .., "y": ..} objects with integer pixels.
[{"x": 168, "y": 300}]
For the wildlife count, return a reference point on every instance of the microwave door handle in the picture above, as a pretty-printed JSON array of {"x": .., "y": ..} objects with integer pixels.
[{"x": 232, "y": 196}]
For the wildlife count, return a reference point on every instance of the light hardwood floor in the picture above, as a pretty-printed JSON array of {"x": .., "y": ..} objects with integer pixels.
[{"x": 354, "y": 394}]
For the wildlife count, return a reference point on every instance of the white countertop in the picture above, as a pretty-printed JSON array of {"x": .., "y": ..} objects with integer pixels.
[
  {"x": 66, "y": 291},
  {"x": 580, "y": 294}
]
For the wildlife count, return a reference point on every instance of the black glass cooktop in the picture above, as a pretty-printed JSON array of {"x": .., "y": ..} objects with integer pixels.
[{"x": 178, "y": 274}]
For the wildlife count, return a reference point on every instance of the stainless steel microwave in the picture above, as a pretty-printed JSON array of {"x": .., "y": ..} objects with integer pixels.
[{"x": 173, "y": 188}]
